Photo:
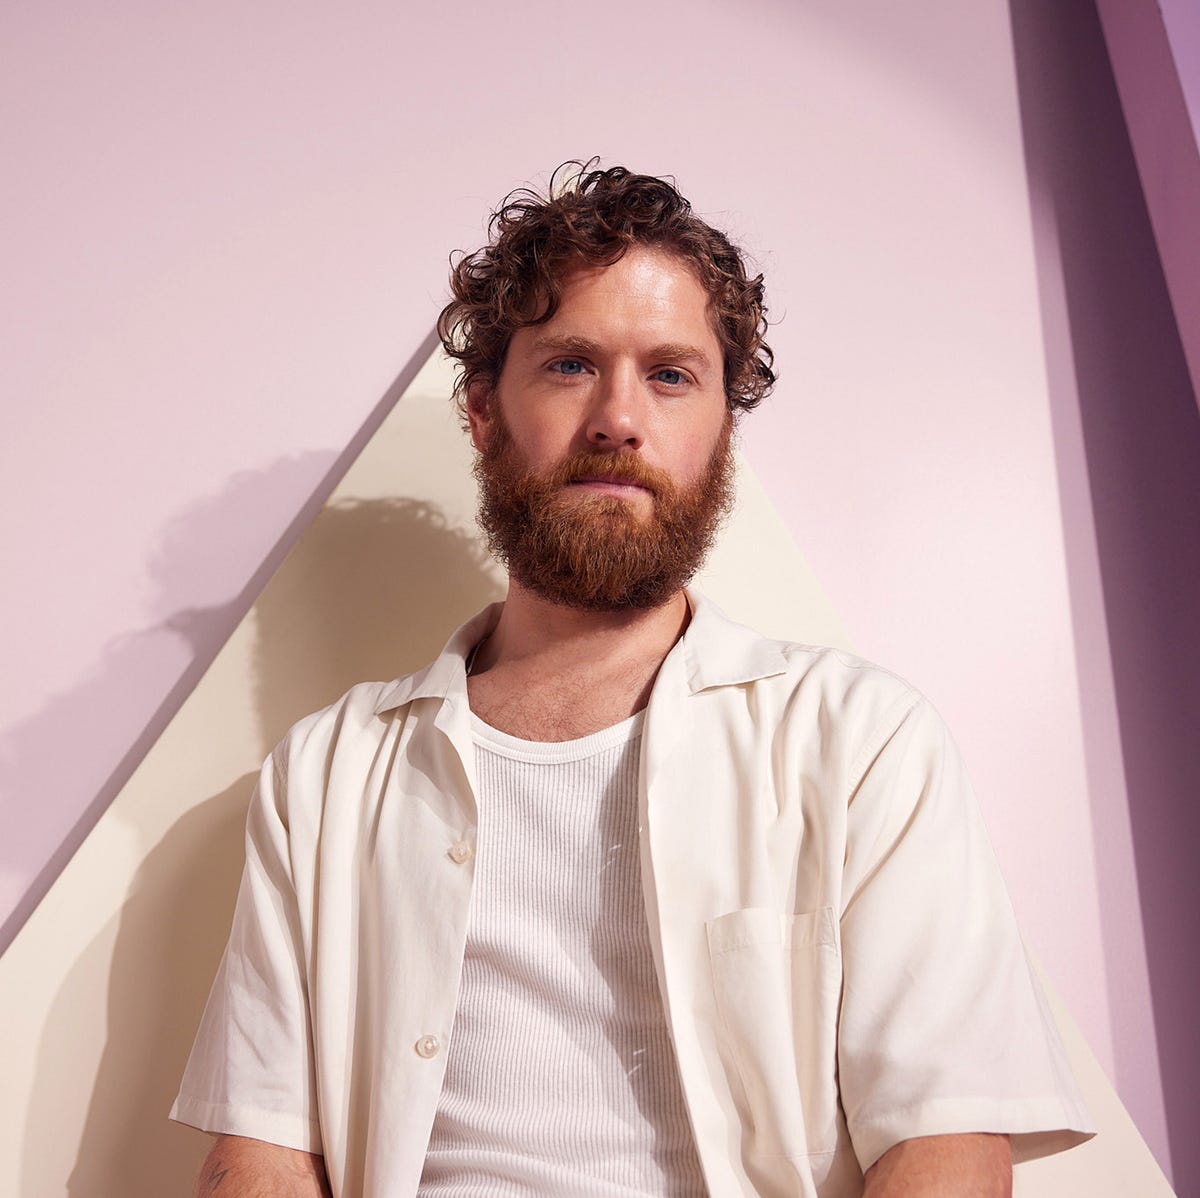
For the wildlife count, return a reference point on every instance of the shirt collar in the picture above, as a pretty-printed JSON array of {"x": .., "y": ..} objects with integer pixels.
[
  {"x": 715, "y": 650},
  {"x": 719, "y": 652}
]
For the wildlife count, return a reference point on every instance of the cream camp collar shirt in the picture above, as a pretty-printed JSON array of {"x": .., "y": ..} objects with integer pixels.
[{"x": 838, "y": 959}]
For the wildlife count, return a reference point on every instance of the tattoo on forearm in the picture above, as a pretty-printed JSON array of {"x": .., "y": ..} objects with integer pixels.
[{"x": 216, "y": 1176}]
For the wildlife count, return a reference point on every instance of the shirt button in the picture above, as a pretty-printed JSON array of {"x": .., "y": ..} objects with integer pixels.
[
  {"x": 427, "y": 1046},
  {"x": 460, "y": 853}
]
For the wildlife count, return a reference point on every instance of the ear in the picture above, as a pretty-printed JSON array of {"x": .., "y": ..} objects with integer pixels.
[{"x": 480, "y": 398}]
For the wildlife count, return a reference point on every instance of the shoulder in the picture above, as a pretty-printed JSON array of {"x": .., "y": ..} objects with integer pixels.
[
  {"x": 834, "y": 686},
  {"x": 351, "y": 724},
  {"x": 839, "y": 672},
  {"x": 839, "y": 708},
  {"x": 802, "y": 684},
  {"x": 851, "y": 689},
  {"x": 720, "y": 652}
]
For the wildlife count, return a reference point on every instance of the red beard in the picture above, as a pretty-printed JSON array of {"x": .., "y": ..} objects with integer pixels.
[{"x": 599, "y": 552}]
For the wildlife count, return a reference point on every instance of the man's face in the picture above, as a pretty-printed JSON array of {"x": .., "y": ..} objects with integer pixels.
[{"x": 605, "y": 460}]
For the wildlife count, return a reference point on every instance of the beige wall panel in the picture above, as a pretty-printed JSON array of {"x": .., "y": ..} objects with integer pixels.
[
  {"x": 1116, "y": 1163},
  {"x": 102, "y": 990}
]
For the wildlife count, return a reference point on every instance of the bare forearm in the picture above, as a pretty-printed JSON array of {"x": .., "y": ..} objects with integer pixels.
[
  {"x": 960, "y": 1166},
  {"x": 238, "y": 1167}
]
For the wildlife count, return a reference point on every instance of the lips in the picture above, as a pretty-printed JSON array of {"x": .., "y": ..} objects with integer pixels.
[
  {"x": 618, "y": 471},
  {"x": 612, "y": 480},
  {"x": 617, "y": 483}
]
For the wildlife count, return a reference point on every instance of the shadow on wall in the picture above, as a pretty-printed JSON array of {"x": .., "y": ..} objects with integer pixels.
[
  {"x": 169, "y": 940},
  {"x": 372, "y": 590}
]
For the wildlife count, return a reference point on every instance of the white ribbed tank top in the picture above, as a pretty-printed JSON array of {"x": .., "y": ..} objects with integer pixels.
[{"x": 560, "y": 1075}]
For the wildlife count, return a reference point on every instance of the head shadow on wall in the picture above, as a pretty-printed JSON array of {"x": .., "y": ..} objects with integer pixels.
[{"x": 372, "y": 591}]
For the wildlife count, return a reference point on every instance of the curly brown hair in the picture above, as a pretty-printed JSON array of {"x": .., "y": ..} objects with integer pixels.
[{"x": 594, "y": 216}]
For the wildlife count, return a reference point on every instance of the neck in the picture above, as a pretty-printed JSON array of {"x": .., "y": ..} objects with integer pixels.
[
  {"x": 535, "y": 633},
  {"x": 550, "y": 673}
]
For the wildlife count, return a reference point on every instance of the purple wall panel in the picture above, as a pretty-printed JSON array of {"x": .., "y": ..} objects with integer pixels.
[
  {"x": 1155, "y": 53},
  {"x": 1181, "y": 19},
  {"x": 1141, "y": 433}
]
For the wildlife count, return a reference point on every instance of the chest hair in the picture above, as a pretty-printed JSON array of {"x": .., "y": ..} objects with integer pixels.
[{"x": 557, "y": 708}]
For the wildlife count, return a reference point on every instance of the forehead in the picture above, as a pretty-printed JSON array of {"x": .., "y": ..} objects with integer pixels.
[{"x": 648, "y": 289}]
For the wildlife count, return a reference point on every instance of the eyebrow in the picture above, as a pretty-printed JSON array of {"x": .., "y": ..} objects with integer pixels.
[
  {"x": 576, "y": 345},
  {"x": 673, "y": 351}
]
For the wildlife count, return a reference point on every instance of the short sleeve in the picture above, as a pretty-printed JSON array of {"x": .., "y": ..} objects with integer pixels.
[
  {"x": 251, "y": 1069},
  {"x": 943, "y": 1027}
]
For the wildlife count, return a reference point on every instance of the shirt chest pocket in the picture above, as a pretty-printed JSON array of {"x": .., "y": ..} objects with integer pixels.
[{"x": 777, "y": 981}]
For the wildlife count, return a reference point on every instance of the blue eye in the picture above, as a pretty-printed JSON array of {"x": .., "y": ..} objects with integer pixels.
[
  {"x": 568, "y": 366},
  {"x": 671, "y": 377}
]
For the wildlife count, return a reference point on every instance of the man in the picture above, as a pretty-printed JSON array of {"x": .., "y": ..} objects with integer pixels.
[{"x": 617, "y": 897}]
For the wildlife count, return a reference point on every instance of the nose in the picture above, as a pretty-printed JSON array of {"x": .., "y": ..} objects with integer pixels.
[{"x": 615, "y": 418}]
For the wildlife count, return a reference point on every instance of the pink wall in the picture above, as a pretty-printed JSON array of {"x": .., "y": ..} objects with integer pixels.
[
  {"x": 211, "y": 285},
  {"x": 229, "y": 229}
]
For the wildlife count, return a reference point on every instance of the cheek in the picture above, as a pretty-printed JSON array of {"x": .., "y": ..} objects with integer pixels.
[
  {"x": 550, "y": 436},
  {"x": 534, "y": 450},
  {"x": 705, "y": 440}
]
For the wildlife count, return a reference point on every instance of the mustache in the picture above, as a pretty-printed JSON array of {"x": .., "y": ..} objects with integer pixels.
[{"x": 611, "y": 467}]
